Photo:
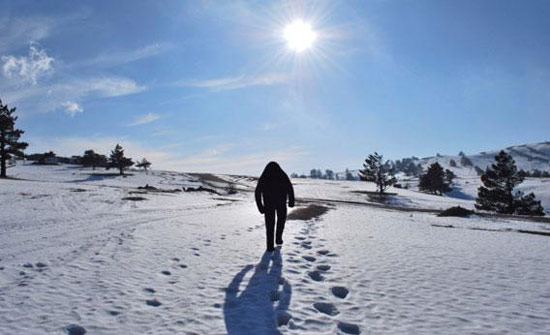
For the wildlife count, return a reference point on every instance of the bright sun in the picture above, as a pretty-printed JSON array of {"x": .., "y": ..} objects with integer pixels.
[{"x": 299, "y": 36}]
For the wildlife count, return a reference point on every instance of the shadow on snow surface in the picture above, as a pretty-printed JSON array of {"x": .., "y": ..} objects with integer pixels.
[{"x": 261, "y": 307}]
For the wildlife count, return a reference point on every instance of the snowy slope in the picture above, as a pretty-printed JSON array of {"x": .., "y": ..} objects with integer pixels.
[
  {"x": 76, "y": 252},
  {"x": 528, "y": 157}
]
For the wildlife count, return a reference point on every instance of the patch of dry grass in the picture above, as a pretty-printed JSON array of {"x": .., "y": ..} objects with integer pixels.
[{"x": 307, "y": 213}]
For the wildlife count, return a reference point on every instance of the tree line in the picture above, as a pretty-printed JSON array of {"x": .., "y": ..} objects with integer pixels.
[
  {"x": 496, "y": 193},
  {"x": 328, "y": 175},
  {"x": 11, "y": 146}
]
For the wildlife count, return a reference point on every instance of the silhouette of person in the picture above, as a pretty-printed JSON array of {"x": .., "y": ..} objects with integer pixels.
[{"x": 274, "y": 188}]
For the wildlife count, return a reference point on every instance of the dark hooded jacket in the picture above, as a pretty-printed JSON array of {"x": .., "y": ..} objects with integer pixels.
[{"x": 274, "y": 188}]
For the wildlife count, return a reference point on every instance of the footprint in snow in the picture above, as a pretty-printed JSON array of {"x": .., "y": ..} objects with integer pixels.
[
  {"x": 349, "y": 328},
  {"x": 326, "y": 308},
  {"x": 75, "y": 330},
  {"x": 149, "y": 290},
  {"x": 316, "y": 275},
  {"x": 166, "y": 272},
  {"x": 153, "y": 302},
  {"x": 309, "y": 258},
  {"x": 340, "y": 291},
  {"x": 323, "y": 267}
]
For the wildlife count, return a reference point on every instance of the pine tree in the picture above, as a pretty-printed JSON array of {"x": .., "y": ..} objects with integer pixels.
[
  {"x": 9, "y": 138},
  {"x": 329, "y": 174},
  {"x": 117, "y": 160},
  {"x": 143, "y": 164},
  {"x": 499, "y": 180},
  {"x": 527, "y": 205},
  {"x": 93, "y": 159},
  {"x": 435, "y": 180},
  {"x": 377, "y": 171}
]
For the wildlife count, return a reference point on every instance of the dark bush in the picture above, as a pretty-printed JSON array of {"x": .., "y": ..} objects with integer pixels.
[{"x": 456, "y": 211}]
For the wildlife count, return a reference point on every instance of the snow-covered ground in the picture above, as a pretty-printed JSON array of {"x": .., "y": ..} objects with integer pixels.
[{"x": 75, "y": 251}]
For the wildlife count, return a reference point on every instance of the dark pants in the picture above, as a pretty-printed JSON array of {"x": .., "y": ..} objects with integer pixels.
[{"x": 270, "y": 225}]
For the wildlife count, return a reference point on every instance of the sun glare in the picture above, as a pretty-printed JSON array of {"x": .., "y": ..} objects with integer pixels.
[{"x": 299, "y": 36}]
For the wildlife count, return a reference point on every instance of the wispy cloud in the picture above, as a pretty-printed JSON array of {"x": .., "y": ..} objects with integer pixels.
[
  {"x": 242, "y": 81},
  {"x": 76, "y": 89},
  {"x": 18, "y": 31},
  {"x": 147, "y": 118},
  {"x": 72, "y": 108},
  {"x": 49, "y": 97},
  {"x": 123, "y": 56},
  {"x": 30, "y": 67}
]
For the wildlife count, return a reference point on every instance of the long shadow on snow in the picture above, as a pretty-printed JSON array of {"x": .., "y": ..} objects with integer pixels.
[{"x": 261, "y": 306}]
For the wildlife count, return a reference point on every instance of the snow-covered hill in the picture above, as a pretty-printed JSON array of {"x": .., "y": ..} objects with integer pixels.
[
  {"x": 90, "y": 250},
  {"x": 528, "y": 157}
]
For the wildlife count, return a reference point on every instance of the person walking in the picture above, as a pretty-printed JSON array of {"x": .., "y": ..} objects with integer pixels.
[{"x": 272, "y": 191}]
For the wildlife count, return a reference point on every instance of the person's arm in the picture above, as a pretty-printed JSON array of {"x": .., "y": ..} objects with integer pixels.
[
  {"x": 290, "y": 193},
  {"x": 258, "y": 194}
]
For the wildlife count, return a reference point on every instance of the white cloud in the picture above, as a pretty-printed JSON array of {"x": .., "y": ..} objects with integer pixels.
[
  {"x": 49, "y": 96},
  {"x": 106, "y": 87},
  {"x": 232, "y": 83},
  {"x": 147, "y": 118},
  {"x": 123, "y": 57},
  {"x": 72, "y": 108},
  {"x": 28, "y": 68}
]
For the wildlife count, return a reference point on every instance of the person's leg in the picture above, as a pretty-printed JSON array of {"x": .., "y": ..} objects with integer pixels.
[
  {"x": 281, "y": 219},
  {"x": 269, "y": 227}
]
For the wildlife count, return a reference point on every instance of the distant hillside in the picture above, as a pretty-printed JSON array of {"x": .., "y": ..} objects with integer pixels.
[{"x": 528, "y": 157}]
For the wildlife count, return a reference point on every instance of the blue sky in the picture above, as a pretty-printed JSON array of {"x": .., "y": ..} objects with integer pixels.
[{"x": 212, "y": 85}]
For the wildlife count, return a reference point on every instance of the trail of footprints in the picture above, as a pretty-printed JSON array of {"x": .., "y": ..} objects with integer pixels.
[
  {"x": 318, "y": 273},
  {"x": 177, "y": 265},
  {"x": 305, "y": 262}
]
